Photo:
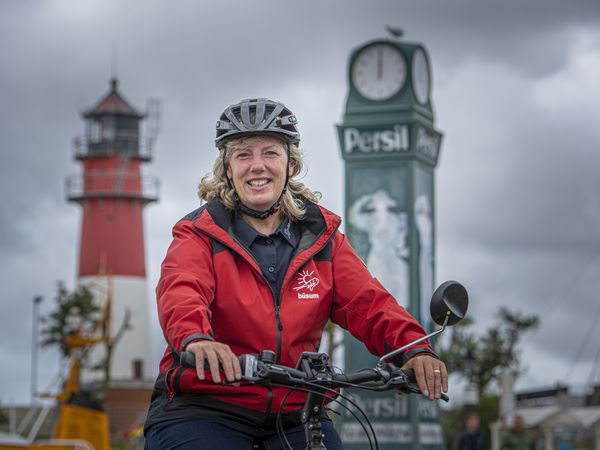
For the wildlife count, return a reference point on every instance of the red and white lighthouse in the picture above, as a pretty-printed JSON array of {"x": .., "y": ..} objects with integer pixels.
[{"x": 113, "y": 194}]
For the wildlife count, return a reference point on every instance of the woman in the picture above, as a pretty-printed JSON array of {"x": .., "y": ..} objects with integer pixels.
[{"x": 261, "y": 266}]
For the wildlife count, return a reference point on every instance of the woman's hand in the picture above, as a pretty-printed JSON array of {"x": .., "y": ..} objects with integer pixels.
[
  {"x": 215, "y": 353},
  {"x": 430, "y": 373}
]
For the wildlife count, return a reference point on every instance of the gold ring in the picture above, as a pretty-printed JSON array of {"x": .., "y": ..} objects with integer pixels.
[{"x": 437, "y": 371}]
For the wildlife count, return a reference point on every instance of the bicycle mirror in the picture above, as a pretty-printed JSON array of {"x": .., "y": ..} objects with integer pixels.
[{"x": 450, "y": 300}]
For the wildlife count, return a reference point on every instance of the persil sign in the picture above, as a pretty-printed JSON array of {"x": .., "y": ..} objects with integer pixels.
[
  {"x": 376, "y": 141},
  {"x": 427, "y": 143}
]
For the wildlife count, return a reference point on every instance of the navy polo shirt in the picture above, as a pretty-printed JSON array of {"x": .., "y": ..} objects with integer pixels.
[{"x": 273, "y": 252}]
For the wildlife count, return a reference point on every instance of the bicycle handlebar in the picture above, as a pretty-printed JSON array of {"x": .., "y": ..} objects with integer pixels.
[{"x": 313, "y": 371}]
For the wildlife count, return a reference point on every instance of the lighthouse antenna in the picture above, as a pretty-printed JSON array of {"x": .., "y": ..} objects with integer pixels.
[
  {"x": 153, "y": 107},
  {"x": 114, "y": 64}
]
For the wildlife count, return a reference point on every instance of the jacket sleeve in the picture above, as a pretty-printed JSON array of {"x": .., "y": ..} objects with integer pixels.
[
  {"x": 186, "y": 287},
  {"x": 367, "y": 310}
]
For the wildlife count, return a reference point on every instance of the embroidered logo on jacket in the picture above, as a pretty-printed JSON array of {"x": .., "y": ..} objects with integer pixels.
[{"x": 307, "y": 281}]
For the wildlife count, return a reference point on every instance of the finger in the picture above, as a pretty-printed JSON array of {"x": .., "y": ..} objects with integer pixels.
[
  {"x": 437, "y": 374},
  {"x": 199, "y": 363},
  {"x": 430, "y": 379},
  {"x": 420, "y": 377},
  {"x": 237, "y": 369},
  {"x": 227, "y": 361},
  {"x": 213, "y": 364},
  {"x": 444, "y": 378}
]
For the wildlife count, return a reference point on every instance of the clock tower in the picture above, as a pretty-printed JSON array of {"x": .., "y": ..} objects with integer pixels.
[{"x": 390, "y": 148}]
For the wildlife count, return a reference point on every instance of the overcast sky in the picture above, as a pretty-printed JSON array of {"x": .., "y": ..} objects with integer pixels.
[{"x": 516, "y": 94}]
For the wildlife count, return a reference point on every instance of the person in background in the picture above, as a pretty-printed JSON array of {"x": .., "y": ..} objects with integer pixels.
[
  {"x": 518, "y": 437},
  {"x": 471, "y": 436}
]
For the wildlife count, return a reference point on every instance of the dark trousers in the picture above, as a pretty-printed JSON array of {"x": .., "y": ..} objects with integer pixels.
[{"x": 223, "y": 434}]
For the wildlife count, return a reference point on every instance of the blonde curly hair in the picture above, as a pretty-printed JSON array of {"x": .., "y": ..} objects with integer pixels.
[{"x": 216, "y": 184}]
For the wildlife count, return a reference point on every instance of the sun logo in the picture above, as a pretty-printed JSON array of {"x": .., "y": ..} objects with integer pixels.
[{"x": 306, "y": 281}]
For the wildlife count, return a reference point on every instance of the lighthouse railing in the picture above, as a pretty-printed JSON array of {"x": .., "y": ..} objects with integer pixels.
[{"x": 102, "y": 185}]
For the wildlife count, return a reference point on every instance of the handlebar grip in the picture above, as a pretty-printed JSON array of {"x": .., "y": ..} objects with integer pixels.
[
  {"x": 414, "y": 387},
  {"x": 363, "y": 376}
]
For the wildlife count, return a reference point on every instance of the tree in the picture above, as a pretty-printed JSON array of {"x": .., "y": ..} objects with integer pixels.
[
  {"x": 78, "y": 322},
  {"x": 75, "y": 311},
  {"x": 482, "y": 359}
]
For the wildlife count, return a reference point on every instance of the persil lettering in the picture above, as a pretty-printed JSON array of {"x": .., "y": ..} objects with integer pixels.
[
  {"x": 427, "y": 144},
  {"x": 386, "y": 141}
]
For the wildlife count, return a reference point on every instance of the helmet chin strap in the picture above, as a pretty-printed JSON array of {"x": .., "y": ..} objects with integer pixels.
[{"x": 262, "y": 215}]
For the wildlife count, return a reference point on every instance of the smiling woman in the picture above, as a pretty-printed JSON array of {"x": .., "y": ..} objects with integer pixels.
[{"x": 262, "y": 266}]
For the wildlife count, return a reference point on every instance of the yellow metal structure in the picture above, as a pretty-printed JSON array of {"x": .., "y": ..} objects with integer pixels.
[
  {"x": 79, "y": 427},
  {"x": 77, "y": 422}
]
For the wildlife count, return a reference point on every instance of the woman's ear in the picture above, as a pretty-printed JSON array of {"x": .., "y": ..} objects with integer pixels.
[{"x": 291, "y": 166}]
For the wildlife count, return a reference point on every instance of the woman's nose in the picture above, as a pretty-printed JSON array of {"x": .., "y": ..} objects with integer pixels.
[{"x": 257, "y": 163}]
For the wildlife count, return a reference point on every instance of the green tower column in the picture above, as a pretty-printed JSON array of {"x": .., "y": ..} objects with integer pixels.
[{"x": 390, "y": 149}]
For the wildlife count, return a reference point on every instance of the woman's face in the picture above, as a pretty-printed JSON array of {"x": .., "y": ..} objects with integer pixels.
[{"x": 258, "y": 172}]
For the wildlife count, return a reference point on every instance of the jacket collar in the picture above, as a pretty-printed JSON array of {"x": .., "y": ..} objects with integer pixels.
[{"x": 217, "y": 221}]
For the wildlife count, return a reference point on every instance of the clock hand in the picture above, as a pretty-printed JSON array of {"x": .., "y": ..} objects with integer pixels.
[{"x": 379, "y": 64}]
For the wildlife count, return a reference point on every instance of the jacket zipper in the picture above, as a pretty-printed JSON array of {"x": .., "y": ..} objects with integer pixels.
[
  {"x": 277, "y": 316},
  {"x": 277, "y": 306},
  {"x": 276, "y": 299},
  {"x": 177, "y": 379},
  {"x": 279, "y": 296},
  {"x": 170, "y": 382}
]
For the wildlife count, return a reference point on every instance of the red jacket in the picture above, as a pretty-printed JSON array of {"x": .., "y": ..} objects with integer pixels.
[{"x": 212, "y": 288}]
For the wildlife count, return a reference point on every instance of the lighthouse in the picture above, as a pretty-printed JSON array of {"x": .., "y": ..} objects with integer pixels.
[{"x": 112, "y": 194}]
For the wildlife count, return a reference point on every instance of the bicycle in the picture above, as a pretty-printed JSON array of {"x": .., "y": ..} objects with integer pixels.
[{"x": 316, "y": 376}]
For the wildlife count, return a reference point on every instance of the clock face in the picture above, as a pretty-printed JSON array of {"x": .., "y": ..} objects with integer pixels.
[
  {"x": 420, "y": 76},
  {"x": 378, "y": 72}
]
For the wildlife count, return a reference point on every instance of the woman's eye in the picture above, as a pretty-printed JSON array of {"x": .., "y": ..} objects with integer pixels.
[{"x": 243, "y": 155}]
